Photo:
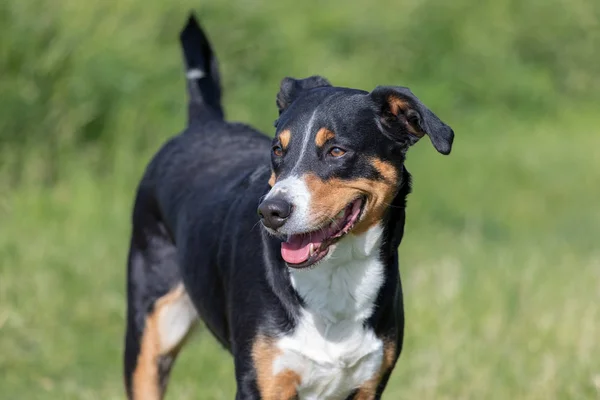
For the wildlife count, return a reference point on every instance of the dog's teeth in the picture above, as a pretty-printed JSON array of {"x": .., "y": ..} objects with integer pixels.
[
  {"x": 340, "y": 214},
  {"x": 311, "y": 249}
]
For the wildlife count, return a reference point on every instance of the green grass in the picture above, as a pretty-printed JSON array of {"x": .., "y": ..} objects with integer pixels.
[
  {"x": 500, "y": 264},
  {"x": 500, "y": 261}
]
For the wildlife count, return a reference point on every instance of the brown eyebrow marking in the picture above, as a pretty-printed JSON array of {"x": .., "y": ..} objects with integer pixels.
[
  {"x": 323, "y": 135},
  {"x": 272, "y": 179},
  {"x": 284, "y": 138}
]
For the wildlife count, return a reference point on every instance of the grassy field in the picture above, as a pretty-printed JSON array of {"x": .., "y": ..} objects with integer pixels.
[{"x": 500, "y": 261}]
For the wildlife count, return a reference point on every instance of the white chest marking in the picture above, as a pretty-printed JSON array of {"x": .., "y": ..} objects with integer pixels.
[{"x": 330, "y": 349}]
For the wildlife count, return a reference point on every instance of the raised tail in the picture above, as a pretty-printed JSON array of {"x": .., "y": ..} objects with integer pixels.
[{"x": 202, "y": 72}]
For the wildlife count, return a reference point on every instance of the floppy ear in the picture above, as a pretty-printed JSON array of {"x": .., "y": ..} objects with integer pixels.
[
  {"x": 409, "y": 120},
  {"x": 290, "y": 89}
]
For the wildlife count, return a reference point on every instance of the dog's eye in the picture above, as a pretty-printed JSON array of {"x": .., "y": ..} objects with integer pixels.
[
  {"x": 277, "y": 151},
  {"x": 336, "y": 152}
]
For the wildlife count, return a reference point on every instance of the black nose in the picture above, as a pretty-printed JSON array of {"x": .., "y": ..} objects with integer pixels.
[{"x": 274, "y": 212}]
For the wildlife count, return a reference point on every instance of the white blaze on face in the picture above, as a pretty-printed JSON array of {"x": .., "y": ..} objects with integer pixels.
[
  {"x": 305, "y": 140},
  {"x": 294, "y": 190}
]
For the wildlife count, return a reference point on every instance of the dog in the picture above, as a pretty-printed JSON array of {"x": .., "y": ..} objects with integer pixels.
[{"x": 285, "y": 248}]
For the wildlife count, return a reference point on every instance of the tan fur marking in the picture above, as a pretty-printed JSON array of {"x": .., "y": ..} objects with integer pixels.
[
  {"x": 284, "y": 138},
  {"x": 323, "y": 135},
  {"x": 368, "y": 390},
  {"x": 387, "y": 170},
  {"x": 272, "y": 387},
  {"x": 145, "y": 379},
  {"x": 331, "y": 196},
  {"x": 398, "y": 106},
  {"x": 272, "y": 179}
]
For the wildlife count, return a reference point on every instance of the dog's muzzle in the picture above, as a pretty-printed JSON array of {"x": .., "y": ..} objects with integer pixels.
[{"x": 274, "y": 212}]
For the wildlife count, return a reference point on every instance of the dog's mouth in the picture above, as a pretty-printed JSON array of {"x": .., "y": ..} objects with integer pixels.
[{"x": 306, "y": 249}]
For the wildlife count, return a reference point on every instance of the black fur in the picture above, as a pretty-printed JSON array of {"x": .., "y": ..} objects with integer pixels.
[
  {"x": 419, "y": 115},
  {"x": 195, "y": 216}
]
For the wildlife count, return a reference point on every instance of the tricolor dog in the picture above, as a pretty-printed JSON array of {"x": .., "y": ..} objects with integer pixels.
[{"x": 285, "y": 248}]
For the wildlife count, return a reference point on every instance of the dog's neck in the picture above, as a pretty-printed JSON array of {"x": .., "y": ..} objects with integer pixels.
[{"x": 344, "y": 286}]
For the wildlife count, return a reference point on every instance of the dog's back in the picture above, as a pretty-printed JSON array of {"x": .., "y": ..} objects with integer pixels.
[{"x": 188, "y": 182}]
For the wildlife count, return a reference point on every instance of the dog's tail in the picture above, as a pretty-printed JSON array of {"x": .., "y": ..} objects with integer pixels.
[{"x": 202, "y": 73}]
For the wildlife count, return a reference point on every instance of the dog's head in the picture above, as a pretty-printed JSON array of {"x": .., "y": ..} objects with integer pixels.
[{"x": 337, "y": 159}]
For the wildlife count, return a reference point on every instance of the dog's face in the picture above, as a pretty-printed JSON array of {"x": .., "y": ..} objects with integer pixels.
[{"x": 336, "y": 160}]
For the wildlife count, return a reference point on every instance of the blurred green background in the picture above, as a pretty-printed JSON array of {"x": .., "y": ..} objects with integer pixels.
[{"x": 500, "y": 261}]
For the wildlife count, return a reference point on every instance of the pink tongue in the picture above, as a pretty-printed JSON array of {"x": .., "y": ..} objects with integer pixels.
[{"x": 297, "y": 249}]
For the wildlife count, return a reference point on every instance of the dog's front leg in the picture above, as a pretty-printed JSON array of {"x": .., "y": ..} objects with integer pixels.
[
  {"x": 256, "y": 378},
  {"x": 254, "y": 384}
]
